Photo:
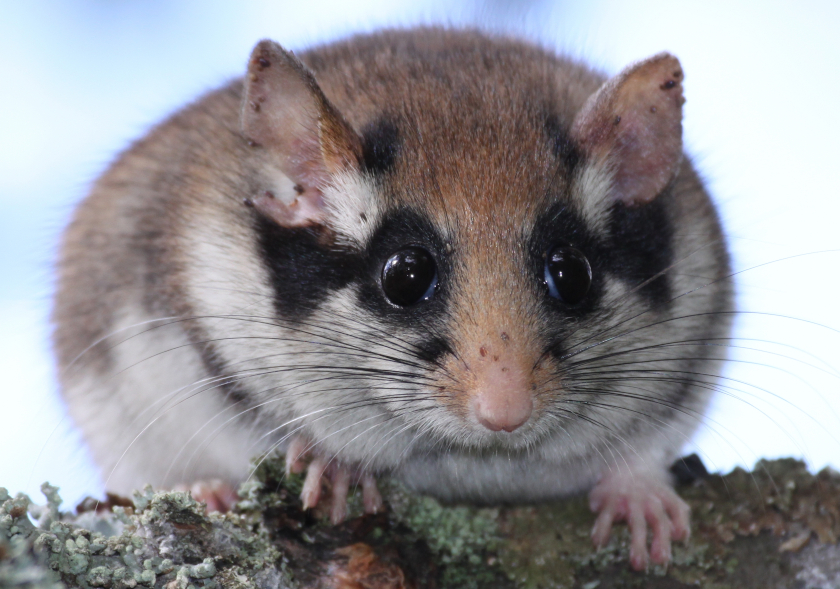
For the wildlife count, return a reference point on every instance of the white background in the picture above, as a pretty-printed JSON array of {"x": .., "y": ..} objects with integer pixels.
[{"x": 79, "y": 80}]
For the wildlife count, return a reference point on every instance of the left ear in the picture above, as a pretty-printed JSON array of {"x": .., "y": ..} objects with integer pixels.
[
  {"x": 634, "y": 124},
  {"x": 285, "y": 112}
]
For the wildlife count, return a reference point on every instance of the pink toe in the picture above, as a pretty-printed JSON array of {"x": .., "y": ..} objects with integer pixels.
[
  {"x": 660, "y": 547},
  {"x": 203, "y": 493},
  {"x": 638, "y": 559},
  {"x": 341, "y": 485},
  {"x": 215, "y": 494},
  {"x": 370, "y": 495},
  {"x": 638, "y": 536},
  {"x": 680, "y": 514},
  {"x": 311, "y": 492},
  {"x": 603, "y": 526},
  {"x": 597, "y": 499},
  {"x": 660, "y": 551},
  {"x": 295, "y": 455}
]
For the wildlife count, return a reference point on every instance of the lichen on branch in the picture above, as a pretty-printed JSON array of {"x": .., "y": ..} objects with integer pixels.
[{"x": 777, "y": 526}]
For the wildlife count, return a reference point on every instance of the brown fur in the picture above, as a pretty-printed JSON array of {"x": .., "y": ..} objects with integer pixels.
[
  {"x": 161, "y": 181},
  {"x": 475, "y": 156}
]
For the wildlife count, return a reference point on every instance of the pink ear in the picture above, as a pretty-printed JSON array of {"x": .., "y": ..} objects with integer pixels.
[
  {"x": 634, "y": 123},
  {"x": 285, "y": 112}
]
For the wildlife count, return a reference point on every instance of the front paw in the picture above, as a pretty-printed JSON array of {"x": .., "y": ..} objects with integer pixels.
[
  {"x": 641, "y": 500},
  {"x": 320, "y": 468},
  {"x": 216, "y": 494}
]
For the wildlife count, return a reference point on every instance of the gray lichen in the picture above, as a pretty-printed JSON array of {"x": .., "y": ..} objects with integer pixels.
[
  {"x": 775, "y": 527},
  {"x": 460, "y": 537},
  {"x": 165, "y": 541}
]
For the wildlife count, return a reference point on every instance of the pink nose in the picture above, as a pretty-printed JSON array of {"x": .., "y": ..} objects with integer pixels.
[
  {"x": 507, "y": 413},
  {"x": 501, "y": 395}
]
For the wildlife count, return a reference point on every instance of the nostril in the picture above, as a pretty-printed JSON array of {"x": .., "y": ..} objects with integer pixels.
[
  {"x": 513, "y": 426},
  {"x": 506, "y": 412},
  {"x": 489, "y": 424}
]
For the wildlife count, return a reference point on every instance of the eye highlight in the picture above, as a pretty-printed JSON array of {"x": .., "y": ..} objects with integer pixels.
[
  {"x": 567, "y": 274},
  {"x": 409, "y": 276}
]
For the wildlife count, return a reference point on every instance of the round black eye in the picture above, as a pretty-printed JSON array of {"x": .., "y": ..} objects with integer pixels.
[
  {"x": 567, "y": 274},
  {"x": 409, "y": 276}
]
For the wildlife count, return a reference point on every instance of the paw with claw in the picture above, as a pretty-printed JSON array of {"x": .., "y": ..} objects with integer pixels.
[
  {"x": 340, "y": 476},
  {"x": 645, "y": 502}
]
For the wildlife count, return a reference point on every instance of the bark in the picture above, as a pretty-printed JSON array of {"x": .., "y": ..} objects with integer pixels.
[{"x": 775, "y": 527}]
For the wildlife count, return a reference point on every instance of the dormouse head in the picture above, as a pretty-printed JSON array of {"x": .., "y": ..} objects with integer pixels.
[{"x": 478, "y": 219}]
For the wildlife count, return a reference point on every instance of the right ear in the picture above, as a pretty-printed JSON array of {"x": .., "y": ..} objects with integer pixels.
[
  {"x": 285, "y": 112},
  {"x": 634, "y": 124}
]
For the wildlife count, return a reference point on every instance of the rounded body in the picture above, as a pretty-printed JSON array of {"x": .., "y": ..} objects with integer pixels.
[{"x": 195, "y": 330}]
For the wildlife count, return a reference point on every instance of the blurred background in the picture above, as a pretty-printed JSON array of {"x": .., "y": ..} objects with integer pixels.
[{"x": 82, "y": 79}]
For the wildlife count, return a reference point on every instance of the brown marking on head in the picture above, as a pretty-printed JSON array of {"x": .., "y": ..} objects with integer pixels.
[
  {"x": 497, "y": 342},
  {"x": 471, "y": 113},
  {"x": 477, "y": 157}
]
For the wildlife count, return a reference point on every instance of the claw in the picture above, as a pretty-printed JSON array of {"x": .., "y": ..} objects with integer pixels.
[{"x": 312, "y": 484}]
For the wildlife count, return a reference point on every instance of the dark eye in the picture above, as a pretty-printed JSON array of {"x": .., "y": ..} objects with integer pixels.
[
  {"x": 567, "y": 274},
  {"x": 409, "y": 276}
]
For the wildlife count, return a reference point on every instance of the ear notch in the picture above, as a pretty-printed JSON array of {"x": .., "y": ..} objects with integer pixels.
[
  {"x": 634, "y": 124},
  {"x": 285, "y": 112}
]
